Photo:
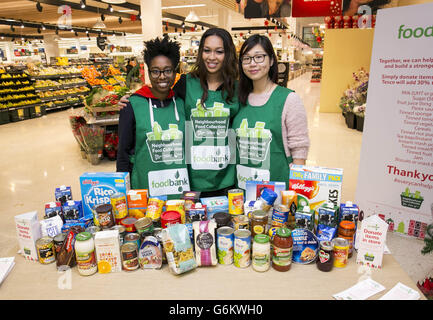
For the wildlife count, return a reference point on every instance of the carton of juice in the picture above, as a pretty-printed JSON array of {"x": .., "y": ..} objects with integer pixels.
[
  {"x": 316, "y": 185},
  {"x": 107, "y": 248},
  {"x": 28, "y": 231}
]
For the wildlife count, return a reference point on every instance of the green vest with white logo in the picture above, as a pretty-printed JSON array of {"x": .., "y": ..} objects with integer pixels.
[
  {"x": 159, "y": 160},
  {"x": 260, "y": 150},
  {"x": 210, "y": 157}
]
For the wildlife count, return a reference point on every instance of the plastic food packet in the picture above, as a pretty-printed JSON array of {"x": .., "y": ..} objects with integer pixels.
[
  {"x": 66, "y": 256},
  {"x": 154, "y": 208},
  {"x": 51, "y": 227},
  {"x": 178, "y": 249},
  {"x": 204, "y": 238},
  {"x": 150, "y": 253}
]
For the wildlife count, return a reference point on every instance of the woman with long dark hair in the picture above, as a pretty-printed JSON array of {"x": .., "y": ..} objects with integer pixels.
[
  {"x": 271, "y": 125},
  {"x": 210, "y": 95}
]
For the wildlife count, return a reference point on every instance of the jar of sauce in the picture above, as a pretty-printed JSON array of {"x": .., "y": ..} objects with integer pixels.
[
  {"x": 282, "y": 250},
  {"x": 85, "y": 254},
  {"x": 325, "y": 262},
  {"x": 259, "y": 220},
  {"x": 261, "y": 257},
  {"x": 346, "y": 230}
]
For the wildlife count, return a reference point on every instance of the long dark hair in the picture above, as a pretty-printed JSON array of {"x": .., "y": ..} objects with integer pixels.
[
  {"x": 245, "y": 83},
  {"x": 229, "y": 69}
]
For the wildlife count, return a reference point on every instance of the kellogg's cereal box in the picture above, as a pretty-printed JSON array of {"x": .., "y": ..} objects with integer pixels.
[
  {"x": 316, "y": 185},
  {"x": 96, "y": 188}
]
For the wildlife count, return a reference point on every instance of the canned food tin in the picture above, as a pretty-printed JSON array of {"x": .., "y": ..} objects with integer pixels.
[
  {"x": 280, "y": 215},
  {"x": 241, "y": 222},
  {"x": 225, "y": 244},
  {"x": 222, "y": 219},
  {"x": 341, "y": 252},
  {"x": 132, "y": 238},
  {"x": 45, "y": 249},
  {"x": 92, "y": 230},
  {"x": 236, "y": 201},
  {"x": 58, "y": 242},
  {"x": 242, "y": 248},
  {"x": 129, "y": 224},
  {"x": 129, "y": 253},
  {"x": 120, "y": 208},
  {"x": 157, "y": 234},
  {"x": 122, "y": 232},
  {"x": 144, "y": 226},
  {"x": 169, "y": 218},
  {"x": 105, "y": 215}
]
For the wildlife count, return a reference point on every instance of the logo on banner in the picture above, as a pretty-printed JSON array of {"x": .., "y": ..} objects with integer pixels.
[
  {"x": 171, "y": 181},
  {"x": 253, "y": 143},
  {"x": 165, "y": 145}
]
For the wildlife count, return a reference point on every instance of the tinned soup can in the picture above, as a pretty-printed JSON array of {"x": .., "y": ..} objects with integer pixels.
[
  {"x": 236, "y": 201},
  {"x": 225, "y": 244},
  {"x": 341, "y": 252},
  {"x": 242, "y": 248}
]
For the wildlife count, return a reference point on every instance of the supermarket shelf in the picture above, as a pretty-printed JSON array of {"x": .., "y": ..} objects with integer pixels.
[
  {"x": 56, "y": 76},
  {"x": 47, "y": 99},
  {"x": 62, "y": 86},
  {"x": 26, "y": 106},
  {"x": 68, "y": 105}
]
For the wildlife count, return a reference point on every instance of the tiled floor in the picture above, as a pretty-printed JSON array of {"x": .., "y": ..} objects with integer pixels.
[{"x": 41, "y": 154}]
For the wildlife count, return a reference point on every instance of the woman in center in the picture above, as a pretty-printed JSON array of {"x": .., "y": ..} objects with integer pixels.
[{"x": 271, "y": 125}]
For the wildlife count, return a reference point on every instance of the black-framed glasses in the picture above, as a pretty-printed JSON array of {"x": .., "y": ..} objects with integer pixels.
[
  {"x": 156, "y": 73},
  {"x": 258, "y": 58}
]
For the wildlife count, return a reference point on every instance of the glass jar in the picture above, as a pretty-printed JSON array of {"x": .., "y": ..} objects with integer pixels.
[
  {"x": 85, "y": 254},
  {"x": 259, "y": 220},
  {"x": 261, "y": 258},
  {"x": 346, "y": 230},
  {"x": 282, "y": 250},
  {"x": 325, "y": 262}
]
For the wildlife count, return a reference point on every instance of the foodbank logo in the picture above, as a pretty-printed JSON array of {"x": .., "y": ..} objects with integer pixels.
[{"x": 177, "y": 181}]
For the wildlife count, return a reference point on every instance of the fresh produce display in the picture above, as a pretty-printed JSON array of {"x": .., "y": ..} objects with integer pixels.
[
  {"x": 65, "y": 92},
  {"x": 51, "y": 71}
]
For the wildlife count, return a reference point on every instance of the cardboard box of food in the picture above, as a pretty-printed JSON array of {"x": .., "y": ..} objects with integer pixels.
[
  {"x": 97, "y": 187},
  {"x": 28, "y": 232},
  {"x": 316, "y": 185},
  {"x": 107, "y": 248}
]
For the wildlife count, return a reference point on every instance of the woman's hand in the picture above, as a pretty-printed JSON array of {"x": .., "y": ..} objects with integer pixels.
[{"x": 123, "y": 101}]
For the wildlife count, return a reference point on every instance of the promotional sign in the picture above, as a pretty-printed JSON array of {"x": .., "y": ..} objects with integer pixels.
[
  {"x": 318, "y": 8},
  {"x": 371, "y": 242},
  {"x": 101, "y": 42},
  {"x": 395, "y": 177}
]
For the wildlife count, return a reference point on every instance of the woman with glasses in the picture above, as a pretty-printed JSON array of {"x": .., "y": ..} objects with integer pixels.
[
  {"x": 271, "y": 125},
  {"x": 152, "y": 125},
  {"x": 210, "y": 96}
]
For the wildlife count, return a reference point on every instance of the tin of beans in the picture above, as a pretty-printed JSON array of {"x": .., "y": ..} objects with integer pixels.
[{"x": 45, "y": 249}]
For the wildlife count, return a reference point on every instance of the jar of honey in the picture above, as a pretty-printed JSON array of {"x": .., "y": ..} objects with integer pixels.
[{"x": 346, "y": 230}]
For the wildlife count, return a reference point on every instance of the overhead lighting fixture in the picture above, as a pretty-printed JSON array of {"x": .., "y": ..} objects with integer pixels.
[
  {"x": 99, "y": 24},
  {"x": 110, "y": 8},
  {"x": 43, "y": 26},
  {"x": 102, "y": 17},
  {"x": 12, "y": 28},
  {"x": 83, "y": 4},
  {"x": 120, "y": 20},
  {"x": 39, "y": 6},
  {"x": 192, "y": 17},
  {"x": 114, "y": 1},
  {"x": 22, "y": 24},
  {"x": 184, "y": 6}
]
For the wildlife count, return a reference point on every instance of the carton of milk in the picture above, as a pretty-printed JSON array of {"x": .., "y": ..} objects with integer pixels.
[
  {"x": 28, "y": 232},
  {"x": 107, "y": 248},
  {"x": 97, "y": 187}
]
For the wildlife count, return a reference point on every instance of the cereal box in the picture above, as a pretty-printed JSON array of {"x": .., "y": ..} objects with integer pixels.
[
  {"x": 254, "y": 189},
  {"x": 96, "y": 188},
  {"x": 316, "y": 185},
  {"x": 107, "y": 247},
  {"x": 28, "y": 231},
  {"x": 215, "y": 204}
]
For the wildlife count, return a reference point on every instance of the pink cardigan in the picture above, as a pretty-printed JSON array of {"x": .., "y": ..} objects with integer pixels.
[{"x": 293, "y": 123}]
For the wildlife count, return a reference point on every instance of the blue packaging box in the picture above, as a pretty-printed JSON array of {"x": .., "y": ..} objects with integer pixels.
[
  {"x": 63, "y": 194},
  {"x": 349, "y": 211},
  {"x": 72, "y": 210},
  {"x": 97, "y": 187},
  {"x": 215, "y": 204}
]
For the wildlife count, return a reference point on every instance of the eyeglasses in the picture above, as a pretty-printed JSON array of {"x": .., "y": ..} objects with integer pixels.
[
  {"x": 258, "y": 58},
  {"x": 155, "y": 73}
]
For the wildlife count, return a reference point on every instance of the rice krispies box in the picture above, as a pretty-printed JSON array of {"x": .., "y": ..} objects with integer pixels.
[
  {"x": 316, "y": 185},
  {"x": 97, "y": 187}
]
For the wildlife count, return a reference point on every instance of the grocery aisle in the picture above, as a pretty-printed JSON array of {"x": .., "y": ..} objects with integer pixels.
[{"x": 41, "y": 154}]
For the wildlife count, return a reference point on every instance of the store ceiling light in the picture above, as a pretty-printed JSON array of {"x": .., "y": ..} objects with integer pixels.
[
  {"x": 192, "y": 17},
  {"x": 43, "y": 26},
  {"x": 184, "y": 6},
  {"x": 39, "y": 6},
  {"x": 110, "y": 8},
  {"x": 120, "y": 20},
  {"x": 83, "y": 4},
  {"x": 99, "y": 24},
  {"x": 114, "y": 1}
]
